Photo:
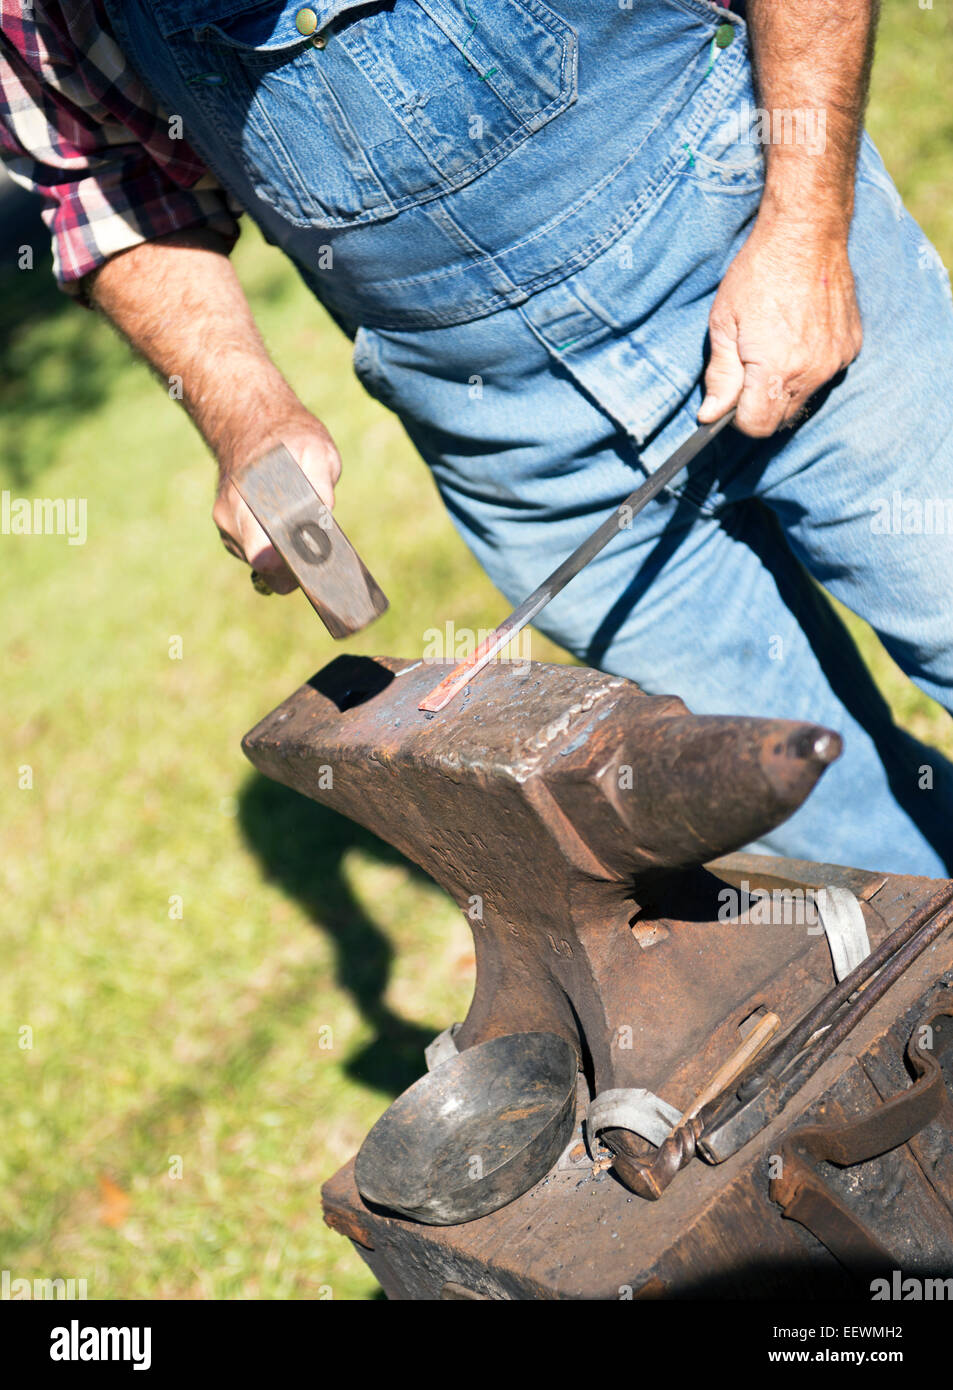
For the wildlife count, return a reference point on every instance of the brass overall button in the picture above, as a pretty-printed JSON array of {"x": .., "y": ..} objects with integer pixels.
[{"x": 306, "y": 21}]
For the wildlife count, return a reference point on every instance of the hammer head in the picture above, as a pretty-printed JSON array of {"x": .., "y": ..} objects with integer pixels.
[{"x": 300, "y": 526}]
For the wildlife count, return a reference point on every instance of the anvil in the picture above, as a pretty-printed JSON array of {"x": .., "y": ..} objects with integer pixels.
[
  {"x": 586, "y": 831},
  {"x": 567, "y": 813}
]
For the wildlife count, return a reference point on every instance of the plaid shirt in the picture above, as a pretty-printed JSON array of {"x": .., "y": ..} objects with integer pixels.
[{"x": 78, "y": 126}]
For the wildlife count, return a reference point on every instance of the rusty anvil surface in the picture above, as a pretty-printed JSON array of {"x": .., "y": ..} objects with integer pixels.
[{"x": 574, "y": 810}]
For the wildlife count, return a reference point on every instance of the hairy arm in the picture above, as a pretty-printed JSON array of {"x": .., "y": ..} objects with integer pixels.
[
  {"x": 785, "y": 319},
  {"x": 178, "y": 302}
]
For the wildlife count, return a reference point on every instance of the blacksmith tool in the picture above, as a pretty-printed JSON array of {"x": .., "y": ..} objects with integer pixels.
[
  {"x": 721, "y": 1121},
  {"x": 619, "y": 520},
  {"x": 732, "y": 1120},
  {"x": 302, "y": 529},
  {"x": 650, "y": 1178}
]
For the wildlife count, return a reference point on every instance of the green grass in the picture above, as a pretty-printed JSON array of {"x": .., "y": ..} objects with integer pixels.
[{"x": 206, "y": 1039}]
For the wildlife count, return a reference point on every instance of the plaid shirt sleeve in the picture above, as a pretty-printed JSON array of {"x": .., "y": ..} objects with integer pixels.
[{"x": 78, "y": 127}]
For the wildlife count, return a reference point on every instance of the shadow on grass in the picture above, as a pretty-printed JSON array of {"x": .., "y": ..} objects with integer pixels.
[
  {"x": 301, "y": 845},
  {"x": 57, "y": 361}
]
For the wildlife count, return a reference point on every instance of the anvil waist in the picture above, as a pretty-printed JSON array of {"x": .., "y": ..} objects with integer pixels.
[{"x": 414, "y": 190}]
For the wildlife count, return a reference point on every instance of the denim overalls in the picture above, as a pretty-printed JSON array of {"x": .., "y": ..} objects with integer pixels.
[{"x": 520, "y": 212}]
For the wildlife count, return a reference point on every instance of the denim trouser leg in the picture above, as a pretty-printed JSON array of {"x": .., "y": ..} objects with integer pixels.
[{"x": 710, "y": 593}]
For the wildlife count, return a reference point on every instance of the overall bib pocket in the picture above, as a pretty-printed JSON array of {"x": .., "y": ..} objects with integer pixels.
[{"x": 385, "y": 105}]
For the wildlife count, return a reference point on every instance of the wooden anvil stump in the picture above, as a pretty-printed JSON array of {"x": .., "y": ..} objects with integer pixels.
[{"x": 569, "y": 816}]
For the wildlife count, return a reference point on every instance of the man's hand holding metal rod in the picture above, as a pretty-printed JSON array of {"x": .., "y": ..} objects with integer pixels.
[{"x": 785, "y": 319}]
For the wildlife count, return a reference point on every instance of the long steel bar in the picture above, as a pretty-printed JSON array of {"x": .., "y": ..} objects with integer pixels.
[
  {"x": 788, "y": 1048},
  {"x": 847, "y": 1020},
  {"x": 731, "y": 1121},
  {"x": 620, "y": 519}
]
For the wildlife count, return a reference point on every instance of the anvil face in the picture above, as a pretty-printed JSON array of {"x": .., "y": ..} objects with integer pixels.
[
  {"x": 640, "y": 782},
  {"x": 559, "y": 807}
]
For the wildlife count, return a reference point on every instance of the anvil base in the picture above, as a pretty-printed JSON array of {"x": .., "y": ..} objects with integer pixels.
[{"x": 716, "y": 1232}]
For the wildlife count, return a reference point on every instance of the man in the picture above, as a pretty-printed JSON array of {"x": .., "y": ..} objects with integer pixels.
[{"x": 559, "y": 235}]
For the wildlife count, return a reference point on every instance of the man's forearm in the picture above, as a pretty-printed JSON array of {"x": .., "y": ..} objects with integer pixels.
[
  {"x": 178, "y": 302},
  {"x": 813, "y": 56},
  {"x": 785, "y": 319}
]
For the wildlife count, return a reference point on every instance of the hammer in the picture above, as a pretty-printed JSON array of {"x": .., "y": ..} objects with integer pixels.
[{"x": 300, "y": 526}]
